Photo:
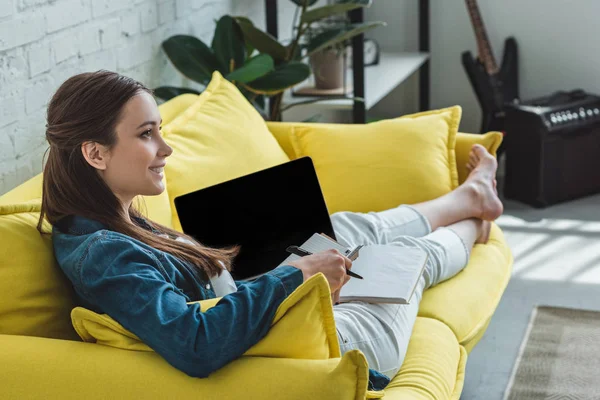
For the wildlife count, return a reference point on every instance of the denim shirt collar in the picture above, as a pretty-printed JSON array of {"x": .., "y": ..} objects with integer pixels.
[{"x": 78, "y": 225}]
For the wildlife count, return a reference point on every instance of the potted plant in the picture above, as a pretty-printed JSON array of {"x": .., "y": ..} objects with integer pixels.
[
  {"x": 327, "y": 65},
  {"x": 257, "y": 63}
]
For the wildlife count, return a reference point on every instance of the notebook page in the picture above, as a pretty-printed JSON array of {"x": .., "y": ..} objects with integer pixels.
[
  {"x": 319, "y": 242},
  {"x": 390, "y": 274},
  {"x": 315, "y": 244}
]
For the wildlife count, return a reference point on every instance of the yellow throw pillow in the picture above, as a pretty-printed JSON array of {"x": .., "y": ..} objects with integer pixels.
[
  {"x": 381, "y": 165},
  {"x": 303, "y": 326},
  {"x": 219, "y": 137}
]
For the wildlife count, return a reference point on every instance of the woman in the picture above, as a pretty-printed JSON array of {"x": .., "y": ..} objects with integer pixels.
[{"x": 106, "y": 148}]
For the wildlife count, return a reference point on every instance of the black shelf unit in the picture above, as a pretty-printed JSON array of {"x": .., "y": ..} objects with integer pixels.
[{"x": 359, "y": 112}]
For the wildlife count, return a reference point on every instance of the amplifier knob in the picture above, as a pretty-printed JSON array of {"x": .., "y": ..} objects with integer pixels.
[
  {"x": 596, "y": 111},
  {"x": 581, "y": 113},
  {"x": 590, "y": 113}
]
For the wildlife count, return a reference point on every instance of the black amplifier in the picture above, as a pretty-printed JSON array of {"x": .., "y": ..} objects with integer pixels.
[{"x": 553, "y": 148}]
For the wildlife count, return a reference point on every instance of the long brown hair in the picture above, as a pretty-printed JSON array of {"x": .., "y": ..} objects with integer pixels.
[{"x": 87, "y": 107}]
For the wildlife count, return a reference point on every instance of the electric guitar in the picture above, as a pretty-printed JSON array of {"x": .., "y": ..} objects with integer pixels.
[{"x": 493, "y": 86}]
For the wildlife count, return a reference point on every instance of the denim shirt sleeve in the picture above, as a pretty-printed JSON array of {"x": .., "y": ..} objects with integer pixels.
[{"x": 125, "y": 281}]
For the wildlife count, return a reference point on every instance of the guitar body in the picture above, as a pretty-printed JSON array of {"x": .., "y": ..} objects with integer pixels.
[{"x": 493, "y": 91}]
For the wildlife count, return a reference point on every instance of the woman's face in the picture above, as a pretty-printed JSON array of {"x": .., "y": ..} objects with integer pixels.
[{"x": 134, "y": 165}]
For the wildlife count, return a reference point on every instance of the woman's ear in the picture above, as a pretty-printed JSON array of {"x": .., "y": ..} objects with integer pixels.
[{"x": 95, "y": 154}]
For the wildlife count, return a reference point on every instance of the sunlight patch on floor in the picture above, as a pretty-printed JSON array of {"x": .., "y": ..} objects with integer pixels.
[{"x": 565, "y": 250}]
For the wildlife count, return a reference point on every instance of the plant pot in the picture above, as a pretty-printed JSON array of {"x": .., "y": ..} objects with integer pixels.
[{"x": 328, "y": 69}]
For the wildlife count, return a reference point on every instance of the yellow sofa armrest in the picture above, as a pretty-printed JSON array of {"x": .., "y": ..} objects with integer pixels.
[{"x": 41, "y": 368}]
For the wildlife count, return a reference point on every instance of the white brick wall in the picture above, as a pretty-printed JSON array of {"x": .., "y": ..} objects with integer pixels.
[{"x": 44, "y": 42}]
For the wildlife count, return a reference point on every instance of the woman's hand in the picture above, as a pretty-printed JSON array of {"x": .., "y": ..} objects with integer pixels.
[
  {"x": 331, "y": 263},
  {"x": 335, "y": 296}
]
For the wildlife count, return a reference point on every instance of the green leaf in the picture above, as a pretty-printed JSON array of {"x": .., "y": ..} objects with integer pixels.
[
  {"x": 300, "y": 3},
  {"x": 249, "y": 49},
  {"x": 228, "y": 44},
  {"x": 334, "y": 36},
  {"x": 253, "y": 69},
  {"x": 168, "y": 92},
  {"x": 328, "y": 11},
  {"x": 262, "y": 41},
  {"x": 284, "y": 76},
  {"x": 191, "y": 57}
]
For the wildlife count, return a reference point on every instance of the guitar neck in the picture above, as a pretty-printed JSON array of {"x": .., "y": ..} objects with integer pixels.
[{"x": 483, "y": 44}]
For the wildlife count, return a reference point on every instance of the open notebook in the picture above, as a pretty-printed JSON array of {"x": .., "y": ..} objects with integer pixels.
[{"x": 390, "y": 272}]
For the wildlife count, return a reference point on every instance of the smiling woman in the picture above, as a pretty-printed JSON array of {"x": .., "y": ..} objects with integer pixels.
[{"x": 105, "y": 149}]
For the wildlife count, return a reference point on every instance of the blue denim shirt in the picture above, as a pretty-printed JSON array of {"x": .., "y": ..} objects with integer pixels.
[{"x": 146, "y": 290}]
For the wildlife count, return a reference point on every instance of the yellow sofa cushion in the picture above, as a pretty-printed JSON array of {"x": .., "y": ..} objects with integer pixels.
[
  {"x": 467, "y": 301},
  {"x": 36, "y": 296},
  {"x": 303, "y": 326},
  {"x": 60, "y": 369},
  {"x": 282, "y": 131},
  {"x": 219, "y": 137},
  {"x": 378, "y": 166},
  {"x": 434, "y": 366}
]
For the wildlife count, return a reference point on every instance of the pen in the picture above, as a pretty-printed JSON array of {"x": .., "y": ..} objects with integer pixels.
[{"x": 301, "y": 252}]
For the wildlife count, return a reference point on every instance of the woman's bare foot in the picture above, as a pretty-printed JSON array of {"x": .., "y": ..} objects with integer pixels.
[
  {"x": 481, "y": 182},
  {"x": 484, "y": 236}
]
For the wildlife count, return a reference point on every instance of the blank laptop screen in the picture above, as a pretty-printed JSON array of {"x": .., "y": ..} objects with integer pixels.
[{"x": 264, "y": 212}]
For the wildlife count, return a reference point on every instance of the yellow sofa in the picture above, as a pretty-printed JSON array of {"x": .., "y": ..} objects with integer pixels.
[{"x": 43, "y": 357}]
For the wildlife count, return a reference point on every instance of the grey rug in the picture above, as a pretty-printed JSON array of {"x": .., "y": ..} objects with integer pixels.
[{"x": 559, "y": 357}]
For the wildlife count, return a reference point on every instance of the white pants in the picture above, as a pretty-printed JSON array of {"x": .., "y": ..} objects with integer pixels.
[{"x": 382, "y": 331}]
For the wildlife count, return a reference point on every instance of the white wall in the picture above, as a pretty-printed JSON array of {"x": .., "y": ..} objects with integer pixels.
[{"x": 43, "y": 42}]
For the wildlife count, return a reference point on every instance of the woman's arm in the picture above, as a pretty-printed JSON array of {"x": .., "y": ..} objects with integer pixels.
[{"x": 124, "y": 281}]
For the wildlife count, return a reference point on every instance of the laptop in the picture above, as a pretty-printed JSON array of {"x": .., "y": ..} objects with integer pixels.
[{"x": 263, "y": 212}]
